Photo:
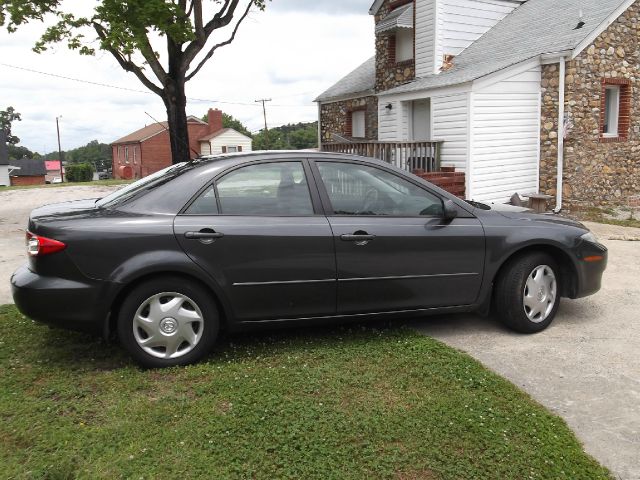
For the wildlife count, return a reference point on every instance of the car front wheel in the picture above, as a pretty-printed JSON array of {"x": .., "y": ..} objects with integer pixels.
[
  {"x": 168, "y": 321},
  {"x": 527, "y": 294}
]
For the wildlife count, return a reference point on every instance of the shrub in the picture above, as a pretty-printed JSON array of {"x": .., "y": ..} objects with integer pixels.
[{"x": 79, "y": 172}]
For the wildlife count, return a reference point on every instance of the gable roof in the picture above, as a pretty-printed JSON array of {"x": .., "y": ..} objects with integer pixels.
[
  {"x": 152, "y": 130},
  {"x": 29, "y": 167},
  {"x": 360, "y": 82},
  {"x": 4, "y": 151},
  {"x": 213, "y": 135},
  {"x": 536, "y": 27}
]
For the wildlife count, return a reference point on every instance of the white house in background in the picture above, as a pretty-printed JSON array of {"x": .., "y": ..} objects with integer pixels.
[
  {"x": 4, "y": 161},
  {"x": 226, "y": 140},
  {"x": 476, "y": 74}
]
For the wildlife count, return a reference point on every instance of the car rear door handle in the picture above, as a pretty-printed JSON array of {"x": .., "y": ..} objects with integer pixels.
[{"x": 205, "y": 234}]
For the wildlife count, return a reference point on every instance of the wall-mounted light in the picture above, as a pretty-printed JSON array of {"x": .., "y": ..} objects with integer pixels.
[{"x": 389, "y": 106}]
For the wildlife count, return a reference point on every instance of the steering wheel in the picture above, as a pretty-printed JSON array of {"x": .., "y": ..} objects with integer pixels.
[{"x": 370, "y": 200}]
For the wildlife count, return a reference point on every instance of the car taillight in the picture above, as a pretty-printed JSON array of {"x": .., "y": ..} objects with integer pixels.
[{"x": 37, "y": 245}]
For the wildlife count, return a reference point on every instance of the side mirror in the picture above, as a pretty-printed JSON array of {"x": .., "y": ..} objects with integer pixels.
[{"x": 450, "y": 210}]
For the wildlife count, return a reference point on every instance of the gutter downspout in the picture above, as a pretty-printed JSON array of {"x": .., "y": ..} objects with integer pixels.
[
  {"x": 319, "y": 126},
  {"x": 560, "y": 171}
]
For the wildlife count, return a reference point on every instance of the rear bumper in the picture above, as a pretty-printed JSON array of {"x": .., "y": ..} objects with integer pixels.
[{"x": 60, "y": 302}]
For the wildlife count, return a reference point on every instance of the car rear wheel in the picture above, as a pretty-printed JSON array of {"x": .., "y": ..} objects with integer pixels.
[
  {"x": 168, "y": 321},
  {"x": 527, "y": 294}
]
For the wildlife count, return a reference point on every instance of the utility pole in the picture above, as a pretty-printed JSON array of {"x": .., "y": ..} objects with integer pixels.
[
  {"x": 60, "y": 149},
  {"x": 264, "y": 111},
  {"x": 266, "y": 129}
]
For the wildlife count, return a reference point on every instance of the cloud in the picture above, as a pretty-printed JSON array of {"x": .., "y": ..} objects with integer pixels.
[
  {"x": 324, "y": 6},
  {"x": 288, "y": 53}
]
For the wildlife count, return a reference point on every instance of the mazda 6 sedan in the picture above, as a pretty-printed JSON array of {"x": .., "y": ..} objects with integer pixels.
[{"x": 245, "y": 240}]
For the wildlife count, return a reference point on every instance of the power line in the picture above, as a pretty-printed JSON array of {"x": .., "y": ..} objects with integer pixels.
[{"x": 146, "y": 92}]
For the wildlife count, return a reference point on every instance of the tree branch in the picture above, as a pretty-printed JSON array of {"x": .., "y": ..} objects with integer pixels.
[
  {"x": 150, "y": 56},
  {"x": 221, "y": 44},
  {"x": 219, "y": 20},
  {"x": 126, "y": 64}
]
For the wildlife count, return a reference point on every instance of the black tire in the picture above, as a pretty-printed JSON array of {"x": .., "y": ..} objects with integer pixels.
[
  {"x": 195, "y": 293},
  {"x": 509, "y": 292}
]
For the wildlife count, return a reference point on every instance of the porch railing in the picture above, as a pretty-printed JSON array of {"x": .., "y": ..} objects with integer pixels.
[{"x": 412, "y": 156}]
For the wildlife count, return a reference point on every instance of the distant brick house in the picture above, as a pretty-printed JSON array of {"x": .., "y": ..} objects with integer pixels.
[
  {"x": 27, "y": 172},
  {"x": 148, "y": 150},
  {"x": 485, "y": 77}
]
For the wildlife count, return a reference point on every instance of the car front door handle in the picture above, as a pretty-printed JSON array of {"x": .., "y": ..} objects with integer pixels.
[{"x": 359, "y": 238}]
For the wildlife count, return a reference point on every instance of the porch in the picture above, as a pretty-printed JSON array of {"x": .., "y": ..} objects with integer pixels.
[{"x": 423, "y": 158}]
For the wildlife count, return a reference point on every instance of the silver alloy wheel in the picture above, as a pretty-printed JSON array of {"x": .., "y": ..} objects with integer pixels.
[
  {"x": 540, "y": 292},
  {"x": 168, "y": 325}
]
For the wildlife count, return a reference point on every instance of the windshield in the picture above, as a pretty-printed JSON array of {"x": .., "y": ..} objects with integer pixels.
[{"x": 146, "y": 183}]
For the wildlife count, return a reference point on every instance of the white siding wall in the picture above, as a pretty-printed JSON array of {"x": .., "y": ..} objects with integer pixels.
[
  {"x": 449, "y": 123},
  {"x": 388, "y": 125},
  {"x": 233, "y": 139},
  {"x": 461, "y": 22},
  {"x": 425, "y": 37},
  {"x": 505, "y": 138},
  {"x": 4, "y": 176}
]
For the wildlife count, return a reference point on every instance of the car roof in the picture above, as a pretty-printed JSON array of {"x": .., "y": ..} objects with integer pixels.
[{"x": 242, "y": 157}]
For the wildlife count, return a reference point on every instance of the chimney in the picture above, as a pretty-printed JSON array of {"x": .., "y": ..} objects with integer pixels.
[
  {"x": 447, "y": 62},
  {"x": 215, "y": 120}
]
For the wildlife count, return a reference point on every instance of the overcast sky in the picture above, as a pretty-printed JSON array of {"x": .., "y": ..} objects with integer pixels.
[{"x": 291, "y": 53}]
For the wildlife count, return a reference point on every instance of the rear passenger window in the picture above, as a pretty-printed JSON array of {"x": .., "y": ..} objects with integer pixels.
[{"x": 268, "y": 189}]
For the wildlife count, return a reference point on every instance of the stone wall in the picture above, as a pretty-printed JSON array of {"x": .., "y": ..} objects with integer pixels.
[
  {"x": 389, "y": 73},
  {"x": 597, "y": 171},
  {"x": 335, "y": 117}
]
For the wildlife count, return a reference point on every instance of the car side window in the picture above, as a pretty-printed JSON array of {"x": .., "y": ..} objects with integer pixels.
[
  {"x": 267, "y": 189},
  {"x": 356, "y": 189},
  {"x": 205, "y": 204}
]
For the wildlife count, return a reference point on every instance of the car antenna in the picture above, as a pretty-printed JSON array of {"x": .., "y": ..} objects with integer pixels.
[{"x": 171, "y": 134}]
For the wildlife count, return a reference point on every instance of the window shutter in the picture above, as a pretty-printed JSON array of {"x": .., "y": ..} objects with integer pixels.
[
  {"x": 239, "y": 148},
  {"x": 348, "y": 128},
  {"x": 224, "y": 149}
]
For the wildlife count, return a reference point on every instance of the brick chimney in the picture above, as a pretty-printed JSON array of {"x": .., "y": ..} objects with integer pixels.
[{"x": 215, "y": 120}]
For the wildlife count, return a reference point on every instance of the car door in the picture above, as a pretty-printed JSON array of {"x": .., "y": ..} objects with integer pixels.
[
  {"x": 394, "y": 250},
  {"x": 259, "y": 232}
]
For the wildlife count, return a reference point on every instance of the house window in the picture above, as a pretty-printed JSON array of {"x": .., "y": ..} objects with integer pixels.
[
  {"x": 404, "y": 45},
  {"x": 126, "y": 154},
  {"x": 232, "y": 149},
  {"x": 611, "y": 110},
  {"x": 615, "y": 110},
  {"x": 135, "y": 150},
  {"x": 358, "y": 124}
]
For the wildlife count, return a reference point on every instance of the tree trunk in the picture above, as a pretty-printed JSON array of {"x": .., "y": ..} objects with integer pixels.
[{"x": 175, "y": 102}]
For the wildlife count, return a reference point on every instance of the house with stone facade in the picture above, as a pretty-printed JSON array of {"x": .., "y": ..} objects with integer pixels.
[{"x": 522, "y": 96}]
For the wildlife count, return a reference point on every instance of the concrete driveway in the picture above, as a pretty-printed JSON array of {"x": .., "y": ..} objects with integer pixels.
[{"x": 585, "y": 368}]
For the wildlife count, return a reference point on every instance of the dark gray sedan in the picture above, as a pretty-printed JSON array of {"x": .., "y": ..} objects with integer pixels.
[{"x": 241, "y": 241}]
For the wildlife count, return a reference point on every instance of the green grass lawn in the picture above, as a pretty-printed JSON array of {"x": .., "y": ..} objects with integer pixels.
[
  {"x": 103, "y": 183},
  {"x": 335, "y": 403}
]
